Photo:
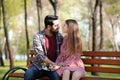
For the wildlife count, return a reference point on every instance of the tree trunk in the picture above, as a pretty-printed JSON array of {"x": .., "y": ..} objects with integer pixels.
[
  {"x": 6, "y": 51},
  {"x": 114, "y": 20},
  {"x": 39, "y": 12},
  {"x": 90, "y": 25},
  {"x": 101, "y": 26},
  {"x": 94, "y": 15},
  {"x": 94, "y": 19},
  {"x": 54, "y": 5},
  {"x": 27, "y": 37},
  {"x": 1, "y": 59},
  {"x": 6, "y": 35},
  {"x": 115, "y": 45}
]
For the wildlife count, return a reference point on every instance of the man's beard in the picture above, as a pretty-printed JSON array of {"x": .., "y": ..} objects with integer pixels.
[{"x": 53, "y": 32}]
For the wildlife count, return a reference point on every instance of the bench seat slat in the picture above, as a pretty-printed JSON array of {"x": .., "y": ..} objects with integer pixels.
[
  {"x": 91, "y": 53},
  {"x": 102, "y": 69},
  {"x": 98, "y": 78},
  {"x": 31, "y": 52},
  {"x": 20, "y": 75},
  {"x": 31, "y": 59},
  {"x": 101, "y": 61},
  {"x": 101, "y": 54}
]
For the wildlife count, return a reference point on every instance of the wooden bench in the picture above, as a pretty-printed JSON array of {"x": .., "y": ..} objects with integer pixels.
[{"x": 99, "y": 61}]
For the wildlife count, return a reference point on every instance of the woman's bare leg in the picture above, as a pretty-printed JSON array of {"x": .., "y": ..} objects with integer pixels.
[
  {"x": 76, "y": 75},
  {"x": 66, "y": 75}
]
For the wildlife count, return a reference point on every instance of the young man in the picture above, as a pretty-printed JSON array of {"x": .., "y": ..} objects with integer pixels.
[{"x": 47, "y": 46}]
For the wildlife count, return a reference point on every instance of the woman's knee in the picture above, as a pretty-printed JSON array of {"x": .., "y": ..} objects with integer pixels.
[
  {"x": 66, "y": 75},
  {"x": 76, "y": 75},
  {"x": 66, "y": 72}
]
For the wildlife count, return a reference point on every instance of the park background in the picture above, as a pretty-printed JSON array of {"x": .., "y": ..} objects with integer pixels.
[{"x": 99, "y": 25}]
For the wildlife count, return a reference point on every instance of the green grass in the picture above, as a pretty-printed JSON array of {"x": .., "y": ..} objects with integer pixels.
[
  {"x": 18, "y": 63},
  {"x": 22, "y": 63}
]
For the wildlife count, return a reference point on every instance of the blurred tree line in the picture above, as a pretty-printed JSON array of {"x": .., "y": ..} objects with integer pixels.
[{"x": 98, "y": 20}]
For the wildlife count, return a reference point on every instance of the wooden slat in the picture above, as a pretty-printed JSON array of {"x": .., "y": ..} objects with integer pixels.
[
  {"x": 95, "y": 53},
  {"x": 101, "y": 54},
  {"x": 101, "y": 61},
  {"x": 97, "y": 78},
  {"x": 31, "y": 59},
  {"x": 102, "y": 69},
  {"x": 29, "y": 65},
  {"x": 32, "y": 52},
  {"x": 87, "y": 61},
  {"x": 20, "y": 75},
  {"x": 45, "y": 78}
]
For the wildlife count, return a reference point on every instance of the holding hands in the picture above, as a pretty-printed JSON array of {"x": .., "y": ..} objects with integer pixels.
[
  {"x": 57, "y": 66},
  {"x": 54, "y": 67}
]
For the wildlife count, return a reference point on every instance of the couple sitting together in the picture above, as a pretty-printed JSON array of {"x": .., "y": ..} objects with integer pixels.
[{"x": 57, "y": 57}]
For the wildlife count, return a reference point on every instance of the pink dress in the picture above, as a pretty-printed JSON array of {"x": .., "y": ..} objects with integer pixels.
[{"x": 73, "y": 61}]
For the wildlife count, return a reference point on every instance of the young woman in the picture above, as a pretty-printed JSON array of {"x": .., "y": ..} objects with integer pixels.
[{"x": 71, "y": 50}]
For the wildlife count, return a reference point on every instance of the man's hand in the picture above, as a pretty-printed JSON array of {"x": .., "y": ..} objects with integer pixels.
[{"x": 54, "y": 67}]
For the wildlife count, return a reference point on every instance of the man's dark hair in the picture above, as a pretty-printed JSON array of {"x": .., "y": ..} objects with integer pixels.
[{"x": 49, "y": 20}]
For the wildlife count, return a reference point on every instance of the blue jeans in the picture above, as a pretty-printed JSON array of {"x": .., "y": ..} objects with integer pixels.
[{"x": 33, "y": 73}]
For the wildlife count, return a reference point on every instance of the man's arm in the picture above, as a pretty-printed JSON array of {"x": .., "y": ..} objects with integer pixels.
[{"x": 40, "y": 53}]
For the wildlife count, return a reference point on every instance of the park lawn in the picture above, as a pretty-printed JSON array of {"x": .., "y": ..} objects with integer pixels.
[
  {"x": 22, "y": 63},
  {"x": 18, "y": 63}
]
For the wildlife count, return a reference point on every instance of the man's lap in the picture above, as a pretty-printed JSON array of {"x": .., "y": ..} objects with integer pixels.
[{"x": 34, "y": 72}]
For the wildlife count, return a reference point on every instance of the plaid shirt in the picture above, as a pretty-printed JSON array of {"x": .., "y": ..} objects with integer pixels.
[{"x": 40, "y": 49}]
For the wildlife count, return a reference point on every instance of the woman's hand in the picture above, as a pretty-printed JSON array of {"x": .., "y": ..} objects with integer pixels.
[{"x": 54, "y": 67}]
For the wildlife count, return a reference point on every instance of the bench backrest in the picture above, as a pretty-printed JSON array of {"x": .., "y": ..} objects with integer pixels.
[
  {"x": 100, "y": 61},
  {"x": 31, "y": 57}
]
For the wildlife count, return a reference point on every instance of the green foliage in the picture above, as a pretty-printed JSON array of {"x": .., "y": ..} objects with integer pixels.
[
  {"x": 113, "y": 7},
  {"x": 109, "y": 45},
  {"x": 22, "y": 40},
  {"x": 1, "y": 15},
  {"x": 22, "y": 45},
  {"x": 76, "y": 9},
  {"x": 14, "y": 16},
  {"x": 1, "y": 36},
  {"x": 66, "y": 9},
  {"x": 70, "y": 9},
  {"x": 111, "y": 1},
  {"x": 13, "y": 7}
]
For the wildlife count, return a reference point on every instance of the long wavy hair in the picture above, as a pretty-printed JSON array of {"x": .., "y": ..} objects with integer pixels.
[{"x": 74, "y": 43}]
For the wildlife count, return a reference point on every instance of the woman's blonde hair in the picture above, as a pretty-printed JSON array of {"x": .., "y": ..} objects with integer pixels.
[{"x": 74, "y": 44}]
